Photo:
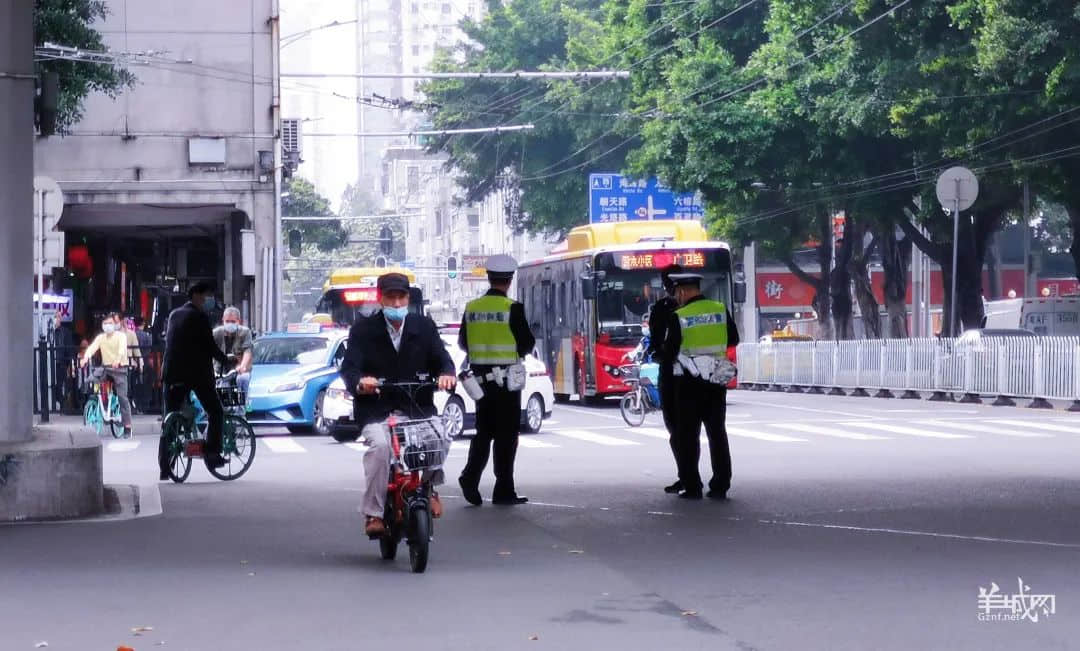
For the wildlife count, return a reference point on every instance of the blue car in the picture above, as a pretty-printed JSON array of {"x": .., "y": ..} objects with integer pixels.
[{"x": 290, "y": 374}]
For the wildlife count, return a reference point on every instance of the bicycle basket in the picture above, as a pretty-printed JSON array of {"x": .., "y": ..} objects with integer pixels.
[
  {"x": 424, "y": 443},
  {"x": 630, "y": 371},
  {"x": 232, "y": 396}
]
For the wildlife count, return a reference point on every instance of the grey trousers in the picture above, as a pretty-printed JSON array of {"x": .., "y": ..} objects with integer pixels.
[
  {"x": 377, "y": 469},
  {"x": 119, "y": 377}
]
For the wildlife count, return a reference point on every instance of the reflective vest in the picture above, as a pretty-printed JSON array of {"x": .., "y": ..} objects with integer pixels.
[
  {"x": 704, "y": 328},
  {"x": 487, "y": 331}
]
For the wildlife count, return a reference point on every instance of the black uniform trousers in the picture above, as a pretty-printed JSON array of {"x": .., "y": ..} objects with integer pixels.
[
  {"x": 498, "y": 423},
  {"x": 667, "y": 405},
  {"x": 701, "y": 403},
  {"x": 175, "y": 395}
]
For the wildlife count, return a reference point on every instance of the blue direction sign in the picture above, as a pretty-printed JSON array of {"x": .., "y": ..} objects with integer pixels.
[{"x": 616, "y": 198}]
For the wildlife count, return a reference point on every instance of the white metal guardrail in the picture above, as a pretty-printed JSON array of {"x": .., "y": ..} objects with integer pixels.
[{"x": 1039, "y": 368}]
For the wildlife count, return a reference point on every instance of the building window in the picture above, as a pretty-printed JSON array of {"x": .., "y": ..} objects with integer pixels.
[
  {"x": 416, "y": 7},
  {"x": 446, "y": 31},
  {"x": 446, "y": 7},
  {"x": 474, "y": 219},
  {"x": 416, "y": 50},
  {"x": 413, "y": 180}
]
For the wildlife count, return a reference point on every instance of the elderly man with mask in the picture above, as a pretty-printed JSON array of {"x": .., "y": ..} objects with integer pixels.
[
  {"x": 391, "y": 345},
  {"x": 234, "y": 339}
]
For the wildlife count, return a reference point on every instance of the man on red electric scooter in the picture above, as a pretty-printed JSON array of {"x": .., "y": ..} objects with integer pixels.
[{"x": 395, "y": 346}]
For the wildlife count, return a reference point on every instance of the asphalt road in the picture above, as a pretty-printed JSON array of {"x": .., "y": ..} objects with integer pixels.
[{"x": 854, "y": 523}]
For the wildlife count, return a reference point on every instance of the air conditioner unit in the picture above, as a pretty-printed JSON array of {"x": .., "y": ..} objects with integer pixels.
[{"x": 291, "y": 144}]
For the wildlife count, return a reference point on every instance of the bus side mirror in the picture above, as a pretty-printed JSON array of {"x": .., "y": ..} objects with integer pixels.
[
  {"x": 739, "y": 292},
  {"x": 588, "y": 287}
]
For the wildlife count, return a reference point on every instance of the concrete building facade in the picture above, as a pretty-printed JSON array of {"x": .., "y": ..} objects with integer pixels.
[{"x": 173, "y": 181}]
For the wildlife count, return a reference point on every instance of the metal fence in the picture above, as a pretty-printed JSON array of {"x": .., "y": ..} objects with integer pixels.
[
  {"x": 1040, "y": 368},
  {"x": 62, "y": 386}
]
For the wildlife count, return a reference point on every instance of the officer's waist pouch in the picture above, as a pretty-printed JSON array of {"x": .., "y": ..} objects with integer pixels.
[{"x": 512, "y": 377}]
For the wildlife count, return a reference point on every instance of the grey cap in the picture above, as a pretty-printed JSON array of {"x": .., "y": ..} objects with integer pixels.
[
  {"x": 501, "y": 265},
  {"x": 686, "y": 279}
]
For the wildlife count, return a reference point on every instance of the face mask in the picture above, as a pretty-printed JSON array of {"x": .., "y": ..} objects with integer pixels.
[
  {"x": 644, "y": 332},
  {"x": 109, "y": 328},
  {"x": 208, "y": 304},
  {"x": 396, "y": 314},
  {"x": 231, "y": 327}
]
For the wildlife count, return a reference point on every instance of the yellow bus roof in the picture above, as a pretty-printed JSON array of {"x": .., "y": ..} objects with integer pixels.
[
  {"x": 347, "y": 276},
  {"x": 593, "y": 236}
]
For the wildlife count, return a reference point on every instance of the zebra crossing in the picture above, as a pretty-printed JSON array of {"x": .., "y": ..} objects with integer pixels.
[{"x": 564, "y": 437}]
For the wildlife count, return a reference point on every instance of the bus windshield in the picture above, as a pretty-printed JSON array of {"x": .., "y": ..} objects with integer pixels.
[{"x": 345, "y": 305}]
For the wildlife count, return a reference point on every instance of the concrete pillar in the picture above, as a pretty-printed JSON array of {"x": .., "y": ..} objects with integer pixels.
[
  {"x": 49, "y": 472},
  {"x": 16, "y": 216}
]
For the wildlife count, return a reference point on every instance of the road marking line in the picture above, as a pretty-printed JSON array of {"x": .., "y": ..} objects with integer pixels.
[
  {"x": 774, "y": 405},
  {"x": 930, "y": 534},
  {"x": 1038, "y": 425},
  {"x": 282, "y": 445},
  {"x": 825, "y": 431},
  {"x": 983, "y": 429},
  {"x": 123, "y": 446},
  {"x": 529, "y": 442},
  {"x": 897, "y": 429},
  {"x": 652, "y": 432},
  {"x": 599, "y": 413},
  {"x": 592, "y": 437},
  {"x": 550, "y": 421},
  {"x": 763, "y": 436}
]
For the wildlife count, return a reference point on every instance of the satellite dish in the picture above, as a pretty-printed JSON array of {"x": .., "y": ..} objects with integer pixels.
[{"x": 957, "y": 184}]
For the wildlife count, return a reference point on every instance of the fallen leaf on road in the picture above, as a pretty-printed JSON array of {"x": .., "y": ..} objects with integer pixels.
[
  {"x": 141, "y": 629},
  {"x": 41, "y": 645},
  {"x": 534, "y": 637},
  {"x": 689, "y": 613},
  {"x": 251, "y": 574},
  {"x": 243, "y": 562},
  {"x": 160, "y": 643},
  {"x": 504, "y": 553},
  {"x": 577, "y": 551}
]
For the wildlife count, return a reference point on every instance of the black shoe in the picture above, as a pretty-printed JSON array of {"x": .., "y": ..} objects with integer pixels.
[
  {"x": 470, "y": 492},
  {"x": 716, "y": 495},
  {"x": 511, "y": 500},
  {"x": 164, "y": 475},
  {"x": 674, "y": 488},
  {"x": 215, "y": 461},
  {"x": 690, "y": 495}
]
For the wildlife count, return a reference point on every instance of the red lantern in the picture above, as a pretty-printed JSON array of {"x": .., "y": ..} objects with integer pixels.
[{"x": 79, "y": 261}]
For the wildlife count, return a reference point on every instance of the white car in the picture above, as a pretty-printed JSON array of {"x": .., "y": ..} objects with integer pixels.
[{"x": 458, "y": 410}]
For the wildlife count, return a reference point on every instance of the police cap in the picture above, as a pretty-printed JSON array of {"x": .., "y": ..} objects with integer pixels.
[
  {"x": 686, "y": 279},
  {"x": 393, "y": 282},
  {"x": 501, "y": 267}
]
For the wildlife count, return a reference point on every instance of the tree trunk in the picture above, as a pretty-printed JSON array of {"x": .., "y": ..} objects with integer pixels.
[
  {"x": 860, "y": 274},
  {"x": 895, "y": 260}
]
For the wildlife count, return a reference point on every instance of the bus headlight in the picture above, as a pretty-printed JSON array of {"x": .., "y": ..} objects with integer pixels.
[{"x": 613, "y": 371}]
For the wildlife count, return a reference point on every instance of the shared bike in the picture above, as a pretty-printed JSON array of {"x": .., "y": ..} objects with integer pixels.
[
  {"x": 418, "y": 445},
  {"x": 102, "y": 405},
  {"x": 643, "y": 398},
  {"x": 186, "y": 437}
]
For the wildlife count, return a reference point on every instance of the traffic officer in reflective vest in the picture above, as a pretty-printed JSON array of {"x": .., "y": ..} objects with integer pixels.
[
  {"x": 700, "y": 328},
  {"x": 496, "y": 337}
]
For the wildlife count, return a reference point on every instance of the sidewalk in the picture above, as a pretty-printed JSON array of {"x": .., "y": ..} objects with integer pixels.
[{"x": 141, "y": 424}]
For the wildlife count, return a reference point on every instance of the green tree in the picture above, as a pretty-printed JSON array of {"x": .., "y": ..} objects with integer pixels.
[
  {"x": 300, "y": 199},
  {"x": 523, "y": 35},
  {"x": 69, "y": 23}
]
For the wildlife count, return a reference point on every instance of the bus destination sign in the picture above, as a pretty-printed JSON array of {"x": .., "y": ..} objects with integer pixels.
[{"x": 661, "y": 259}]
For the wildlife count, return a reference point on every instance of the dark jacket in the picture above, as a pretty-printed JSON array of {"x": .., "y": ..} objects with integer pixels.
[
  {"x": 659, "y": 316},
  {"x": 190, "y": 347},
  {"x": 673, "y": 339},
  {"x": 370, "y": 353},
  {"x": 523, "y": 336}
]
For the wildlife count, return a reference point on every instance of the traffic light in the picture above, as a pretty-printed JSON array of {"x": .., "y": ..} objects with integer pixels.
[
  {"x": 380, "y": 262},
  {"x": 45, "y": 103},
  {"x": 386, "y": 240},
  {"x": 451, "y": 267},
  {"x": 296, "y": 238}
]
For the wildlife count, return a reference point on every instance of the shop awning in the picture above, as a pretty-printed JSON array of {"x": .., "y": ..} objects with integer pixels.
[{"x": 144, "y": 219}]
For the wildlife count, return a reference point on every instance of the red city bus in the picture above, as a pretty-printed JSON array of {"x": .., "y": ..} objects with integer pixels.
[{"x": 586, "y": 305}]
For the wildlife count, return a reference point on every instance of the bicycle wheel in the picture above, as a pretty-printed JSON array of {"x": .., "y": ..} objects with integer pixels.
[
  {"x": 176, "y": 432},
  {"x": 115, "y": 425},
  {"x": 632, "y": 408},
  {"x": 238, "y": 448},
  {"x": 419, "y": 538},
  {"x": 92, "y": 414}
]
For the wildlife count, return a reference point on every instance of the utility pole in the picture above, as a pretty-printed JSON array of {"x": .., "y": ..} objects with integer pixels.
[{"x": 278, "y": 276}]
